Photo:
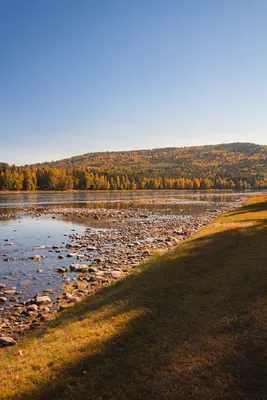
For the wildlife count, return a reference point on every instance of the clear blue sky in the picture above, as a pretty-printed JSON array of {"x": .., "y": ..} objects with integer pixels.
[{"x": 92, "y": 75}]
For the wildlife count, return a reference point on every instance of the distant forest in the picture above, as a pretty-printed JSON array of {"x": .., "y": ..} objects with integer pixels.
[{"x": 226, "y": 166}]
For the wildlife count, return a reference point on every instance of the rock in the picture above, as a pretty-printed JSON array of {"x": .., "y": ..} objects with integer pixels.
[
  {"x": 43, "y": 300},
  {"x": 180, "y": 232},
  {"x": 91, "y": 278},
  {"x": 146, "y": 252},
  {"x": 9, "y": 292},
  {"x": 31, "y": 313},
  {"x": 3, "y": 299},
  {"x": 68, "y": 296},
  {"x": 99, "y": 260},
  {"x": 46, "y": 310},
  {"x": 50, "y": 291},
  {"x": 2, "y": 286},
  {"x": 93, "y": 269},
  {"x": 36, "y": 258},
  {"x": 7, "y": 341},
  {"x": 61, "y": 270},
  {"x": 99, "y": 273},
  {"x": 116, "y": 274},
  {"x": 61, "y": 257},
  {"x": 33, "y": 307},
  {"x": 79, "y": 268}
]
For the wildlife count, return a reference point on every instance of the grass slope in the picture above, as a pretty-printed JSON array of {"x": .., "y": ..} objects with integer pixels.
[{"x": 190, "y": 324}]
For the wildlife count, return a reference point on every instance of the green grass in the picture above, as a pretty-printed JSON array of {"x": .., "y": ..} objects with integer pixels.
[{"x": 189, "y": 324}]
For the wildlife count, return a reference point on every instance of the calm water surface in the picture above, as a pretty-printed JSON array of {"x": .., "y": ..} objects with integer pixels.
[{"x": 105, "y": 199}]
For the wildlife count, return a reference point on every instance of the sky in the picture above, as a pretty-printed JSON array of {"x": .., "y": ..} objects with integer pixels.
[{"x": 78, "y": 76}]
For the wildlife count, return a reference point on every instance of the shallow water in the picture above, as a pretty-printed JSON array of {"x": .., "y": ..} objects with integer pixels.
[
  {"x": 20, "y": 236},
  {"x": 105, "y": 199}
]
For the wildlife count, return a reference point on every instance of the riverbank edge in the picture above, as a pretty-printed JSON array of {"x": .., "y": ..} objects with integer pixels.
[
  {"x": 123, "y": 191},
  {"x": 69, "y": 296},
  {"x": 32, "y": 381}
]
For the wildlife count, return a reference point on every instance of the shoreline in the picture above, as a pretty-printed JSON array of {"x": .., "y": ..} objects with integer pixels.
[
  {"x": 102, "y": 258},
  {"x": 44, "y": 208},
  {"x": 127, "y": 191},
  {"x": 190, "y": 322}
]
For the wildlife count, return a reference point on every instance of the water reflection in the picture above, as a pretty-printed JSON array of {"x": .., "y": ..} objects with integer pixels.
[{"x": 9, "y": 202}]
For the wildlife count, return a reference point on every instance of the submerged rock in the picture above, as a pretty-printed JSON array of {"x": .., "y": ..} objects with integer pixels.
[
  {"x": 61, "y": 270},
  {"x": 36, "y": 258}
]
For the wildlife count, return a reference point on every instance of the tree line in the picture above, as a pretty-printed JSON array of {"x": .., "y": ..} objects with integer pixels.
[{"x": 15, "y": 178}]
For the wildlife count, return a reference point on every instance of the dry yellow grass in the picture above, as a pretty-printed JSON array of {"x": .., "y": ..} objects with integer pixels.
[{"x": 189, "y": 324}]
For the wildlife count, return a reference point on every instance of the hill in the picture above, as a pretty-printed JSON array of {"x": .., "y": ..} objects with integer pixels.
[
  {"x": 229, "y": 166},
  {"x": 173, "y": 161}
]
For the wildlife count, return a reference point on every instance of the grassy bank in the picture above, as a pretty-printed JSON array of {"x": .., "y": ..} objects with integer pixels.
[{"x": 190, "y": 324}]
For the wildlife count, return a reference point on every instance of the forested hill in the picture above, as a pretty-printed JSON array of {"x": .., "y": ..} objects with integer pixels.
[
  {"x": 173, "y": 161},
  {"x": 229, "y": 166}
]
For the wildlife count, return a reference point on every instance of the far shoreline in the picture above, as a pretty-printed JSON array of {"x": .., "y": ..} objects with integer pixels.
[{"x": 2, "y": 192}]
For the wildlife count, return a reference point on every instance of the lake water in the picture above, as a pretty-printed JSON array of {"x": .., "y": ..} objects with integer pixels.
[
  {"x": 21, "y": 237},
  {"x": 9, "y": 202}
]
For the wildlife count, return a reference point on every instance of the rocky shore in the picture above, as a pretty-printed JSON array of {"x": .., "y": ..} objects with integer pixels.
[
  {"x": 5, "y": 217},
  {"x": 98, "y": 258}
]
